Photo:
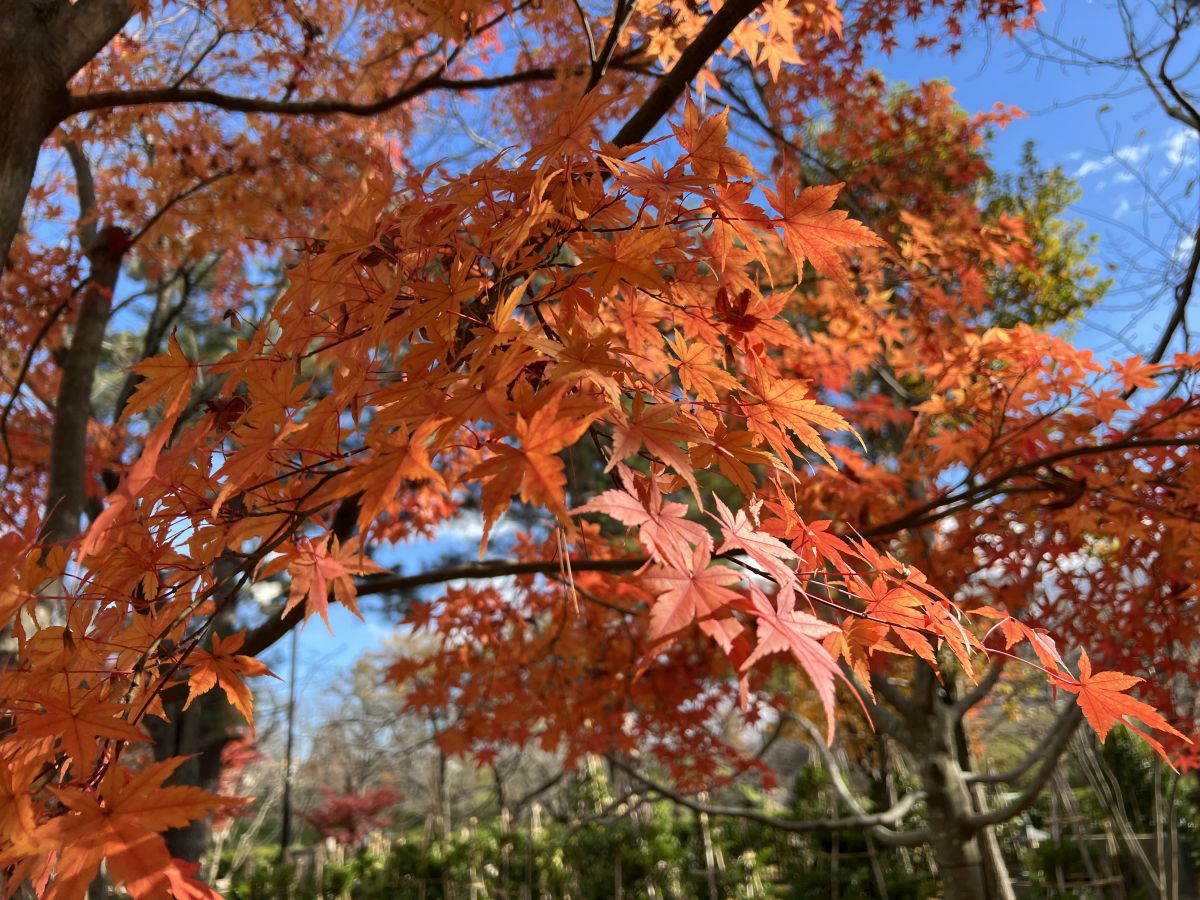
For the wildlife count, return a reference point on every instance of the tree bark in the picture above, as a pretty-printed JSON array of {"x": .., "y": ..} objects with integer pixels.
[
  {"x": 200, "y": 732},
  {"x": 66, "y": 495},
  {"x": 33, "y": 100},
  {"x": 931, "y": 736}
]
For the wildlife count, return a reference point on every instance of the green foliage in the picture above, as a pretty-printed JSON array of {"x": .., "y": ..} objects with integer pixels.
[{"x": 1061, "y": 284}]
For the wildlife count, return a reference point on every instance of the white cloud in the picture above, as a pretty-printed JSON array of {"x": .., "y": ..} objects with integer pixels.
[
  {"x": 1181, "y": 147},
  {"x": 1130, "y": 155},
  {"x": 1183, "y": 249}
]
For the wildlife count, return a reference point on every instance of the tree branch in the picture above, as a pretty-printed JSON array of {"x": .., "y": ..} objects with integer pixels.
[
  {"x": 1183, "y": 295},
  {"x": 1067, "y": 721},
  {"x": 323, "y": 107},
  {"x": 272, "y": 630},
  {"x": 499, "y": 568},
  {"x": 1061, "y": 734},
  {"x": 66, "y": 491},
  {"x": 622, "y": 10},
  {"x": 688, "y": 66},
  {"x": 982, "y": 689},
  {"x": 948, "y": 504},
  {"x": 875, "y": 822}
]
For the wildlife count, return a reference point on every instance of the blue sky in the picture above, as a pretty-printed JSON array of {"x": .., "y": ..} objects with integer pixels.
[{"x": 1087, "y": 121}]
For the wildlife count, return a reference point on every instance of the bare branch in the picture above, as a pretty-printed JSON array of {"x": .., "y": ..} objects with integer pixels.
[
  {"x": 323, "y": 107},
  {"x": 948, "y": 504},
  {"x": 66, "y": 493},
  {"x": 1183, "y": 294},
  {"x": 875, "y": 822},
  {"x": 982, "y": 689},
  {"x": 622, "y": 11},
  {"x": 1049, "y": 754},
  {"x": 688, "y": 66},
  {"x": 266, "y": 634},
  {"x": 1067, "y": 721},
  {"x": 85, "y": 190}
]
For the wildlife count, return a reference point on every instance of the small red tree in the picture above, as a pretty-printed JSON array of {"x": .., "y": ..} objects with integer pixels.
[{"x": 348, "y": 817}]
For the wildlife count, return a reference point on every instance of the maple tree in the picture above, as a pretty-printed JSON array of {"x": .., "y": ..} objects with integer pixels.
[
  {"x": 815, "y": 446},
  {"x": 348, "y": 817}
]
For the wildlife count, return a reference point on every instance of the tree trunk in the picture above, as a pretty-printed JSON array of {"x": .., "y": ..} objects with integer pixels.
[
  {"x": 67, "y": 494},
  {"x": 33, "y": 100},
  {"x": 932, "y": 736},
  {"x": 201, "y": 733},
  {"x": 955, "y": 849}
]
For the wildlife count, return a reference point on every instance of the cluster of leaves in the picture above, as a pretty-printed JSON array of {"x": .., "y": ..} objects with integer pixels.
[
  {"x": 453, "y": 337},
  {"x": 348, "y": 817}
]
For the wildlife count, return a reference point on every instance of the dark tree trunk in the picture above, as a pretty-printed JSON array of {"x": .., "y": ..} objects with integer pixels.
[
  {"x": 33, "y": 100},
  {"x": 201, "y": 733},
  {"x": 67, "y": 495}
]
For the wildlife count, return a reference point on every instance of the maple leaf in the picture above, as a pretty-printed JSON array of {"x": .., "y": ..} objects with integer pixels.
[
  {"x": 316, "y": 570},
  {"x": 1102, "y": 698},
  {"x": 705, "y": 143},
  {"x": 696, "y": 371},
  {"x": 122, "y": 825},
  {"x": 766, "y": 550},
  {"x": 786, "y": 630},
  {"x": 657, "y": 428},
  {"x": 533, "y": 469},
  {"x": 817, "y": 542},
  {"x": 18, "y": 821},
  {"x": 781, "y": 405},
  {"x": 80, "y": 724},
  {"x": 812, "y": 230},
  {"x": 663, "y": 527},
  {"x": 734, "y": 452},
  {"x": 856, "y": 642},
  {"x": 1015, "y": 631},
  {"x": 631, "y": 258},
  {"x": 168, "y": 377},
  {"x": 1136, "y": 374},
  {"x": 225, "y": 667},
  {"x": 697, "y": 592}
]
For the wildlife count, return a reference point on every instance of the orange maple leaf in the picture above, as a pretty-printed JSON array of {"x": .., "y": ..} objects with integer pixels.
[
  {"x": 168, "y": 377},
  {"x": 225, "y": 667},
  {"x": 785, "y": 629},
  {"x": 632, "y": 258},
  {"x": 767, "y": 550},
  {"x": 780, "y": 405},
  {"x": 1102, "y": 697},
  {"x": 696, "y": 371},
  {"x": 79, "y": 725},
  {"x": 812, "y": 230},
  {"x": 705, "y": 143},
  {"x": 317, "y": 569},
  {"x": 698, "y": 592},
  {"x": 657, "y": 428},
  {"x": 663, "y": 528},
  {"x": 121, "y": 823},
  {"x": 532, "y": 469}
]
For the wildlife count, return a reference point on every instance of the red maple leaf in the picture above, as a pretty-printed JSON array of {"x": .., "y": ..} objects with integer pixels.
[
  {"x": 697, "y": 592},
  {"x": 1102, "y": 697}
]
